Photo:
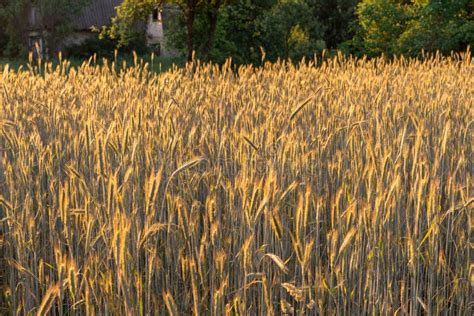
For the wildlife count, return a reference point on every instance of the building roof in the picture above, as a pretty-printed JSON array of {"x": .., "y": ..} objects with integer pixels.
[
  {"x": 100, "y": 12},
  {"x": 97, "y": 13}
]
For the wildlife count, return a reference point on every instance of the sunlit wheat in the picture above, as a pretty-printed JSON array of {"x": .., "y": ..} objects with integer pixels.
[{"x": 343, "y": 188}]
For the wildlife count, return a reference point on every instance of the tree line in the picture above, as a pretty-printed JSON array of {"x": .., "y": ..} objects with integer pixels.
[{"x": 246, "y": 30}]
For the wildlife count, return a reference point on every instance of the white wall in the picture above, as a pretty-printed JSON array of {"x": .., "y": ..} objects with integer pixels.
[
  {"x": 154, "y": 30},
  {"x": 155, "y": 35}
]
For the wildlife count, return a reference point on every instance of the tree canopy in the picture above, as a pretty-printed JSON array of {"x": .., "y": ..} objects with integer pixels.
[{"x": 407, "y": 27}]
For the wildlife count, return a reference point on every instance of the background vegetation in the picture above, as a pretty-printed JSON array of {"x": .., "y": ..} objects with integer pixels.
[{"x": 248, "y": 29}]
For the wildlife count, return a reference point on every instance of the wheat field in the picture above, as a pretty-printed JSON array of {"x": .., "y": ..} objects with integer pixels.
[{"x": 343, "y": 188}]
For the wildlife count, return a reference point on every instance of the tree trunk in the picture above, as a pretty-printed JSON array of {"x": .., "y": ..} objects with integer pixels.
[
  {"x": 190, "y": 16},
  {"x": 211, "y": 31}
]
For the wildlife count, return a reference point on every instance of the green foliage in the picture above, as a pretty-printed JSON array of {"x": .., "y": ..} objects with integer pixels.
[
  {"x": 122, "y": 28},
  {"x": 105, "y": 47},
  {"x": 240, "y": 33},
  {"x": 383, "y": 22},
  {"x": 290, "y": 31},
  {"x": 248, "y": 29},
  {"x": 445, "y": 25},
  {"x": 336, "y": 18},
  {"x": 407, "y": 27},
  {"x": 13, "y": 35}
]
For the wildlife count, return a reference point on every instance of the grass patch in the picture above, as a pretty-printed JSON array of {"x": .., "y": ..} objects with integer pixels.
[{"x": 160, "y": 64}]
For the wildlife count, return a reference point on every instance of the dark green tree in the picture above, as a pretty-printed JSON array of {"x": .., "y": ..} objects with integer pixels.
[
  {"x": 276, "y": 28},
  {"x": 239, "y": 31},
  {"x": 336, "y": 18},
  {"x": 291, "y": 31},
  {"x": 408, "y": 27},
  {"x": 444, "y": 25}
]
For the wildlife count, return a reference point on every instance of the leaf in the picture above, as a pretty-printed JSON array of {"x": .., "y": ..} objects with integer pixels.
[{"x": 250, "y": 142}]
